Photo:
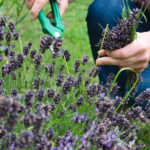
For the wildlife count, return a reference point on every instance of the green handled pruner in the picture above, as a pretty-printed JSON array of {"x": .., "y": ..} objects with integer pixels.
[{"x": 57, "y": 27}]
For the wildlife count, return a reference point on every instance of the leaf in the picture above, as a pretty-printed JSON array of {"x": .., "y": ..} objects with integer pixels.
[
  {"x": 19, "y": 5},
  {"x": 124, "y": 13},
  {"x": 129, "y": 10},
  {"x": 143, "y": 15},
  {"x": 18, "y": 11},
  {"x": 1, "y": 3},
  {"x": 21, "y": 19}
]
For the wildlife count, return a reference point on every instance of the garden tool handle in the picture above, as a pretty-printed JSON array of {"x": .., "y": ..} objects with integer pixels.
[
  {"x": 54, "y": 30},
  {"x": 56, "y": 14}
]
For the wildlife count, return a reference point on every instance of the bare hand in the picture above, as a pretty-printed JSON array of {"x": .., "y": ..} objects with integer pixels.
[
  {"x": 36, "y": 5},
  {"x": 136, "y": 55}
]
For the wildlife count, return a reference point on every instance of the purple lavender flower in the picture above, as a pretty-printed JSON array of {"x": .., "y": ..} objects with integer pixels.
[
  {"x": 37, "y": 59},
  {"x": 28, "y": 118},
  {"x": 55, "y": 55},
  {"x": 12, "y": 53},
  {"x": 68, "y": 85},
  {"x": 1, "y": 82},
  {"x": 96, "y": 71},
  {"x": 61, "y": 114},
  {"x": 26, "y": 139},
  {"x": 115, "y": 88},
  {"x": 13, "y": 76},
  {"x": 46, "y": 42},
  {"x": 2, "y": 22},
  {"x": 57, "y": 45},
  {"x": 14, "y": 92},
  {"x": 40, "y": 94},
  {"x": 52, "y": 69},
  {"x": 51, "y": 93},
  {"x": 16, "y": 36},
  {"x": 77, "y": 66},
  {"x": 6, "y": 51},
  {"x": 78, "y": 81},
  {"x": 57, "y": 98},
  {"x": 79, "y": 102},
  {"x": 60, "y": 80},
  {"x": 1, "y": 57},
  {"x": 11, "y": 121},
  {"x": 2, "y": 133},
  {"x": 122, "y": 34},
  {"x": 72, "y": 107},
  {"x": 33, "y": 53},
  {"x": 90, "y": 72},
  {"x": 66, "y": 55},
  {"x": 94, "y": 90},
  {"x": 1, "y": 35},
  {"x": 11, "y": 26},
  {"x": 103, "y": 104},
  {"x": 29, "y": 98},
  {"x": 1, "y": 92},
  {"x": 84, "y": 59},
  {"x": 20, "y": 60},
  {"x": 117, "y": 101},
  {"x": 8, "y": 37},
  {"x": 148, "y": 109},
  {"x": 26, "y": 49},
  {"x": 50, "y": 134},
  {"x": 5, "y": 70},
  {"x": 36, "y": 83},
  {"x": 143, "y": 96}
]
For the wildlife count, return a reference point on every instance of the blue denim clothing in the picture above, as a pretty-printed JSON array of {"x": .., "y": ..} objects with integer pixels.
[{"x": 105, "y": 12}]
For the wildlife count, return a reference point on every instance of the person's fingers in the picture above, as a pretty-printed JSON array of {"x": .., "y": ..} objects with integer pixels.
[
  {"x": 101, "y": 53},
  {"x": 139, "y": 58},
  {"x": 62, "y": 8},
  {"x": 29, "y": 3},
  {"x": 138, "y": 67},
  {"x": 125, "y": 52},
  {"x": 63, "y": 5},
  {"x": 107, "y": 61},
  {"x": 37, "y": 6},
  {"x": 49, "y": 15}
]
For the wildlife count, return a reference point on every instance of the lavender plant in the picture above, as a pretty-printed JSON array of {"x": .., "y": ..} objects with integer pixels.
[{"x": 45, "y": 107}]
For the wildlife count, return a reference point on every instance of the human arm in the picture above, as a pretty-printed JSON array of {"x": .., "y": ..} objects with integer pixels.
[
  {"x": 135, "y": 55},
  {"x": 36, "y": 5}
]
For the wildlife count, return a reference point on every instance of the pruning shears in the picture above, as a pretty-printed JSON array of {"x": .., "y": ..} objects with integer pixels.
[{"x": 56, "y": 27}]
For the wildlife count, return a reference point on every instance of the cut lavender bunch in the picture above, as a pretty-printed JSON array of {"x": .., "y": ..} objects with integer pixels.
[{"x": 122, "y": 34}]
